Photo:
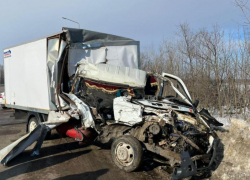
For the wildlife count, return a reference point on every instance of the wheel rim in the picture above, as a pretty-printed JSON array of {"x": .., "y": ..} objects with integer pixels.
[
  {"x": 124, "y": 153},
  {"x": 32, "y": 126}
]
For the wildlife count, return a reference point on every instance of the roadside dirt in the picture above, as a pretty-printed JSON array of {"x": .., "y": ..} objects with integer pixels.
[{"x": 236, "y": 162}]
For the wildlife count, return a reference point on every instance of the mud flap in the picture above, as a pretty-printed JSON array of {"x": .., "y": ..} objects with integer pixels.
[
  {"x": 14, "y": 149},
  {"x": 187, "y": 167}
]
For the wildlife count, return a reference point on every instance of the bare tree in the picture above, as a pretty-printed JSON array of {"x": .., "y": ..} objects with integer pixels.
[
  {"x": 243, "y": 5},
  {"x": 214, "y": 67}
]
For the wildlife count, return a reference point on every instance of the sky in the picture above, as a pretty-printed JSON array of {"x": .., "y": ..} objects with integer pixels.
[{"x": 148, "y": 21}]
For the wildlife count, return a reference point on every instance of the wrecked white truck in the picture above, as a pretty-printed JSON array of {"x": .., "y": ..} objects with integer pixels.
[{"x": 87, "y": 85}]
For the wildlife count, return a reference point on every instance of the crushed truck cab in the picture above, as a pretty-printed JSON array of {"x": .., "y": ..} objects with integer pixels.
[{"x": 92, "y": 89}]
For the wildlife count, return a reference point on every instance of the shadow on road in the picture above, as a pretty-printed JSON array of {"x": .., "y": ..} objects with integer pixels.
[
  {"x": 93, "y": 175},
  {"x": 44, "y": 152},
  {"x": 38, "y": 164}
]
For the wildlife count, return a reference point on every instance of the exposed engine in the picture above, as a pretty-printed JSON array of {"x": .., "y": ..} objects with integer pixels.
[{"x": 168, "y": 127}]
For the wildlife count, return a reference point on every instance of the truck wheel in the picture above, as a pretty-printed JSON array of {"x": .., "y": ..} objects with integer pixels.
[
  {"x": 33, "y": 123},
  {"x": 127, "y": 153}
]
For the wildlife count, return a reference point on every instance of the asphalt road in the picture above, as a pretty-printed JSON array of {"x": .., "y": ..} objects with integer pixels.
[
  {"x": 62, "y": 158},
  {"x": 1, "y": 88}
]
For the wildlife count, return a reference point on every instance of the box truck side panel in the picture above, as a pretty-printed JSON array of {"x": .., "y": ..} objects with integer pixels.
[
  {"x": 26, "y": 76},
  {"x": 6, "y": 80}
]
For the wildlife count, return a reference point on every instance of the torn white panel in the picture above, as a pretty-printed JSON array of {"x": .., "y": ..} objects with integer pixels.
[
  {"x": 94, "y": 56},
  {"x": 61, "y": 49},
  {"x": 63, "y": 104},
  {"x": 54, "y": 54},
  {"x": 112, "y": 74},
  {"x": 87, "y": 118},
  {"x": 53, "y": 57},
  {"x": 53, "y": 45},
  {"x": 57, "y": 117},
  {"x": 126, "y": 55},
  {"x": 127, "y": 112},
  {"x": 73, "y": 112}
]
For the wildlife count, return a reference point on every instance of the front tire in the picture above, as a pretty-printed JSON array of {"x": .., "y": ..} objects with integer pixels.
[{"x": 127, "y": 153}]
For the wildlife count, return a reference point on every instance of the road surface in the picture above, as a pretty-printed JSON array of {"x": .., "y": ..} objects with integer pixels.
[{"x": 63, "y": 159}]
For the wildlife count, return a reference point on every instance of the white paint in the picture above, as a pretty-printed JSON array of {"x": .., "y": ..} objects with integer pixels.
[
  {"x": 211, "y": 140},
  {"x": 57, "y": 117},
  {"x": 127, "y": 112},
  {"x": 112, "y": 74},
  {"x": 164, "y": 104},
  {"x": 84, "y": 109},
  {"x": 26, "y": 77},
  {"x": 125, "y": 55},
  {"x": 180, "y": 81},
  {"x": 53, "y": 57}
]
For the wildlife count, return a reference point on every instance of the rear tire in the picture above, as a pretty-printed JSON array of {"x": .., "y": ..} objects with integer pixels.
[
  {"x": 127, "y": 153},
  {"x": 4, "y": 107},
  {"x": 33, "y": 123}
]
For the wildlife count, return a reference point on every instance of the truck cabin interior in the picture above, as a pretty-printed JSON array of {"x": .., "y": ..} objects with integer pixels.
[{"x": 72, "y": 46}]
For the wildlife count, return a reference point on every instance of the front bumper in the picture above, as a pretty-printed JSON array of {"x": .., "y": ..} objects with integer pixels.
[{"x": 188, "y": 167}]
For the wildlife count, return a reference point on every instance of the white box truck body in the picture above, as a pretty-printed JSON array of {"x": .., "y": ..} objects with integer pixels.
[
  {"x": 33, "y": 69},
  {"x": 26, "y": 80}
]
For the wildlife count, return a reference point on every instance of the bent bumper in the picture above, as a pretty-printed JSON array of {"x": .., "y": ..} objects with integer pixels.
[{"x": 188, "y": 167}]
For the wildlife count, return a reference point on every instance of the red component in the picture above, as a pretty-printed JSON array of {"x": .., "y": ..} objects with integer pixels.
[
  {"x": 1, "y": 96},
  {"x": 63, "y": 128},
  {"x": 153, "y": 81},
  {"x": 190, "y": 110},
  {"x": 108, "y": 88},
  {"x": 86, "y": 135},
  {"x": 73, "y": 133}
]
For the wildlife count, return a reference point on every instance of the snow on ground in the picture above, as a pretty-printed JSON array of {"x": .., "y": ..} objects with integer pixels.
[
  {"x": 235, "y": 144},
  {"x": 227, "y": 120},
  {"x": 224, "y": 120}
]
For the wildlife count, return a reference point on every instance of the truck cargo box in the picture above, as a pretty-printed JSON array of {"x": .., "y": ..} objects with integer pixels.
[
  {"x": 34, "y": 74},
  {"x": 26, "y": 81}
]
